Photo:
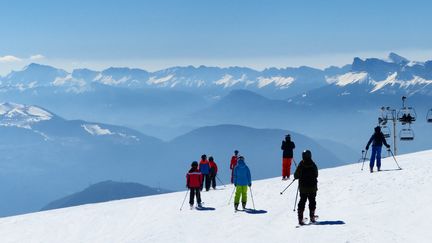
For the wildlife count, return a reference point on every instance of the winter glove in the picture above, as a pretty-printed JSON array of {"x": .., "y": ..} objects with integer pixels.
[
  {"x": 250, "y": 184},
  {"x": 235, "y": 185},
  {"x": 367, "y": 147},
  {"x": 388, "y": 146}
]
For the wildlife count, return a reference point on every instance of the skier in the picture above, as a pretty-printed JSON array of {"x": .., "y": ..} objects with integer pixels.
[
  {"x": 204, "y": 168},
  {"x": 213, "y": 172},
  {"x": 377, "y": 139},
  {"x": 307, "y": 174},
  {"x": 233, "y": 164},
  {"x": 194, "y": 183},
  {"x": 242, "y": 179},
  {"x": 287, "y": 157}
]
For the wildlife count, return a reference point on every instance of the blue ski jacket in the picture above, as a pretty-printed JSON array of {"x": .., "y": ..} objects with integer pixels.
[{"x": 242, "y": 175}]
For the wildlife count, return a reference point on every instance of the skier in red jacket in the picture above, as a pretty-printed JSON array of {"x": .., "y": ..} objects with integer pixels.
[
  {"x": 213, "y": 172},
  {"x": 233, "y": 164},
  {"x": 194, "y": 180}
]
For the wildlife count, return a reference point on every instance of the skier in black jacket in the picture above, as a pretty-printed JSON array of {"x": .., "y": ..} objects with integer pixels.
[
  {"x": 307, "y": 174},
  {"x": 377, "y": 139}
]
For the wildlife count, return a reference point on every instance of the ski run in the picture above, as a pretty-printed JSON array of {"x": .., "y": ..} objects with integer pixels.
[{"x": 353, "y": 206}]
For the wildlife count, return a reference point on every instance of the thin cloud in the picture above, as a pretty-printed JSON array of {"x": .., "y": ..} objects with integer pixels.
[
  {"x": 37, "y": 57},
  {"x": 9, "y": 59}
]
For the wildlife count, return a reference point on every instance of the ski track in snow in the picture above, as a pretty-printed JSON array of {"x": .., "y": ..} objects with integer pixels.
[{"x": 389, "y": 206}]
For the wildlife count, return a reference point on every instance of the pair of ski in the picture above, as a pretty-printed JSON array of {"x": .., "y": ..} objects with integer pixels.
[
  {"x": 243, "y": 210},
  {"x": 306, "y": 223}
]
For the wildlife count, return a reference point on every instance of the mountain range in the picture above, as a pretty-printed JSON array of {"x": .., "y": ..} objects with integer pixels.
[{"x": 383, "y": 76}]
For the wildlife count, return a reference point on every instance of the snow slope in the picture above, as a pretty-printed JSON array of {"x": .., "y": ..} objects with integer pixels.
[{"x": 389, "y": 206}]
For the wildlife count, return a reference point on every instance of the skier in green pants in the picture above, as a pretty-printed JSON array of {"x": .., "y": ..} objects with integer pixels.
[{"x": 242, "y": 179}]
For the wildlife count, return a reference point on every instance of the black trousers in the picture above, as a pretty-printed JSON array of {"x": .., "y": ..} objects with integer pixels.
[
  {"x": 312, "y": 202},
  {"x": 213, "y": 180},
  {"x": 206, "y": 182},
  {"x": 193, "y": 192}
]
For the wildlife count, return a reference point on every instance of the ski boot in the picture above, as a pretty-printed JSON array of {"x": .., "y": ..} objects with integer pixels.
[
  {"x": 236, "y": 206},
  {"x": 300, "y": 217},
  {"x": 199, "y": 205},
  {"x": 312, "y": 216},
  {"x": 243, "y": 205},
  {"x": 191, "y": 206}
]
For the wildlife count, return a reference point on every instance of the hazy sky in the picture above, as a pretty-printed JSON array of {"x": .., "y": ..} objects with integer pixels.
[{"x": 160, "y": 33}]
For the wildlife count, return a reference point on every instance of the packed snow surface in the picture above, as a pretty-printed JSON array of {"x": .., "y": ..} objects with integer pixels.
[{"x": 353, "y": 206}]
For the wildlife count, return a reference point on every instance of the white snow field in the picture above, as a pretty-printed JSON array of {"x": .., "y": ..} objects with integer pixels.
[{"x": 389, "y": 206}]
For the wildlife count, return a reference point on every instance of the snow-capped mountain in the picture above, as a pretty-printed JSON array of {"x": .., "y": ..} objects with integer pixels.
[
  {"x": 353, "y": 206},
  {"x": 397, "y": 75},
  {"x": 286, "y": 81},
  {"x": 19, "y": 115},
  {"x": 390, "y": 75}
]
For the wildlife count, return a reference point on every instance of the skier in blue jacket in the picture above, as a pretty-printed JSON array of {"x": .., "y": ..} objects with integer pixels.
[
  {"x": 377, "y": 139},
  {"x": 242, "y": 179}
]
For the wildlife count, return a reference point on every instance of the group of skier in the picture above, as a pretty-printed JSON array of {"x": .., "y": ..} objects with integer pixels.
[
  {"x": 199, "y": 176},
  {"x": 204, "y": 174}
]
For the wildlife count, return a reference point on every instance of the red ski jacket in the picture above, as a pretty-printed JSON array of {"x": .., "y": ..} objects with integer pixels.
[
  {"x": 213, "y": 167},
  {"x": 194, "y": 178},
  {"x": 233, "y": 162}
]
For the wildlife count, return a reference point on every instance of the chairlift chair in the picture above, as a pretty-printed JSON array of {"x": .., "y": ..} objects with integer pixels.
[
  {"x": 429, "y": 116},
  {"x": 406, "y": 134},
  {"x": 406, "y": 115},
  {"x": 386, "y": 131}
]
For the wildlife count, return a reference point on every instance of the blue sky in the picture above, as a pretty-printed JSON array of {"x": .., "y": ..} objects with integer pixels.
[{"x": 155, "y": 34}]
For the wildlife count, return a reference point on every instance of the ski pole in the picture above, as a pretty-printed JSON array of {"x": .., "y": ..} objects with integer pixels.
[
  {"x": 395, "y": 159},
  {"x": 217, "y": 177},
  {"x": 295, "y": 202},
  {"x": 287, "y": 187},
  {"x": 364, "y": 158},
  {"x": 253, "y": 203},
  {"x": 187, "y": 191},
  {"x": 231, "y": 195},
  {"x": 295, "y": 163}
]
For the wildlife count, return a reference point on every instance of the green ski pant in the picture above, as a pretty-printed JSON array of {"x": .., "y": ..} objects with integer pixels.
[{"x": 241, "y": 191}]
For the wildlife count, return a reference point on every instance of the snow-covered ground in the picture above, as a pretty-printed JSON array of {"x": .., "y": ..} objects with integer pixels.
[{"x": 389, "y": 206}]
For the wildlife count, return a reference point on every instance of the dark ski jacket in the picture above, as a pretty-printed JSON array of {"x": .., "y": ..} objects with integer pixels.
[
  {"x": 307, "y": 174},
  {"x": 377, "y": 140},
  {"x": 287, "y": 147}
]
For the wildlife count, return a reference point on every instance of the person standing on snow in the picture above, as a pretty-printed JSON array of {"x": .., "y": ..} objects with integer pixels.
[
  {"x": 242, "y": 179},
  {"x": 194, "y": 183},
  {"x": 233, "y": 164},
  {"x": 204, "y": 168},
  {"x": 213, "y": 172},
  {"x": 287, "y": 146},
  {"x": 307, "y": 174},
  {"x": 377, "y": 139}
]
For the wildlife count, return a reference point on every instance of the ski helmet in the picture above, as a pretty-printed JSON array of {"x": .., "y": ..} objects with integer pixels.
[
  {"x": 377, "y": 129},
  {"x": 194, "y": 164},
  {"x": 307, "y": 154},
  {"x": 203, "y": 156}
]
